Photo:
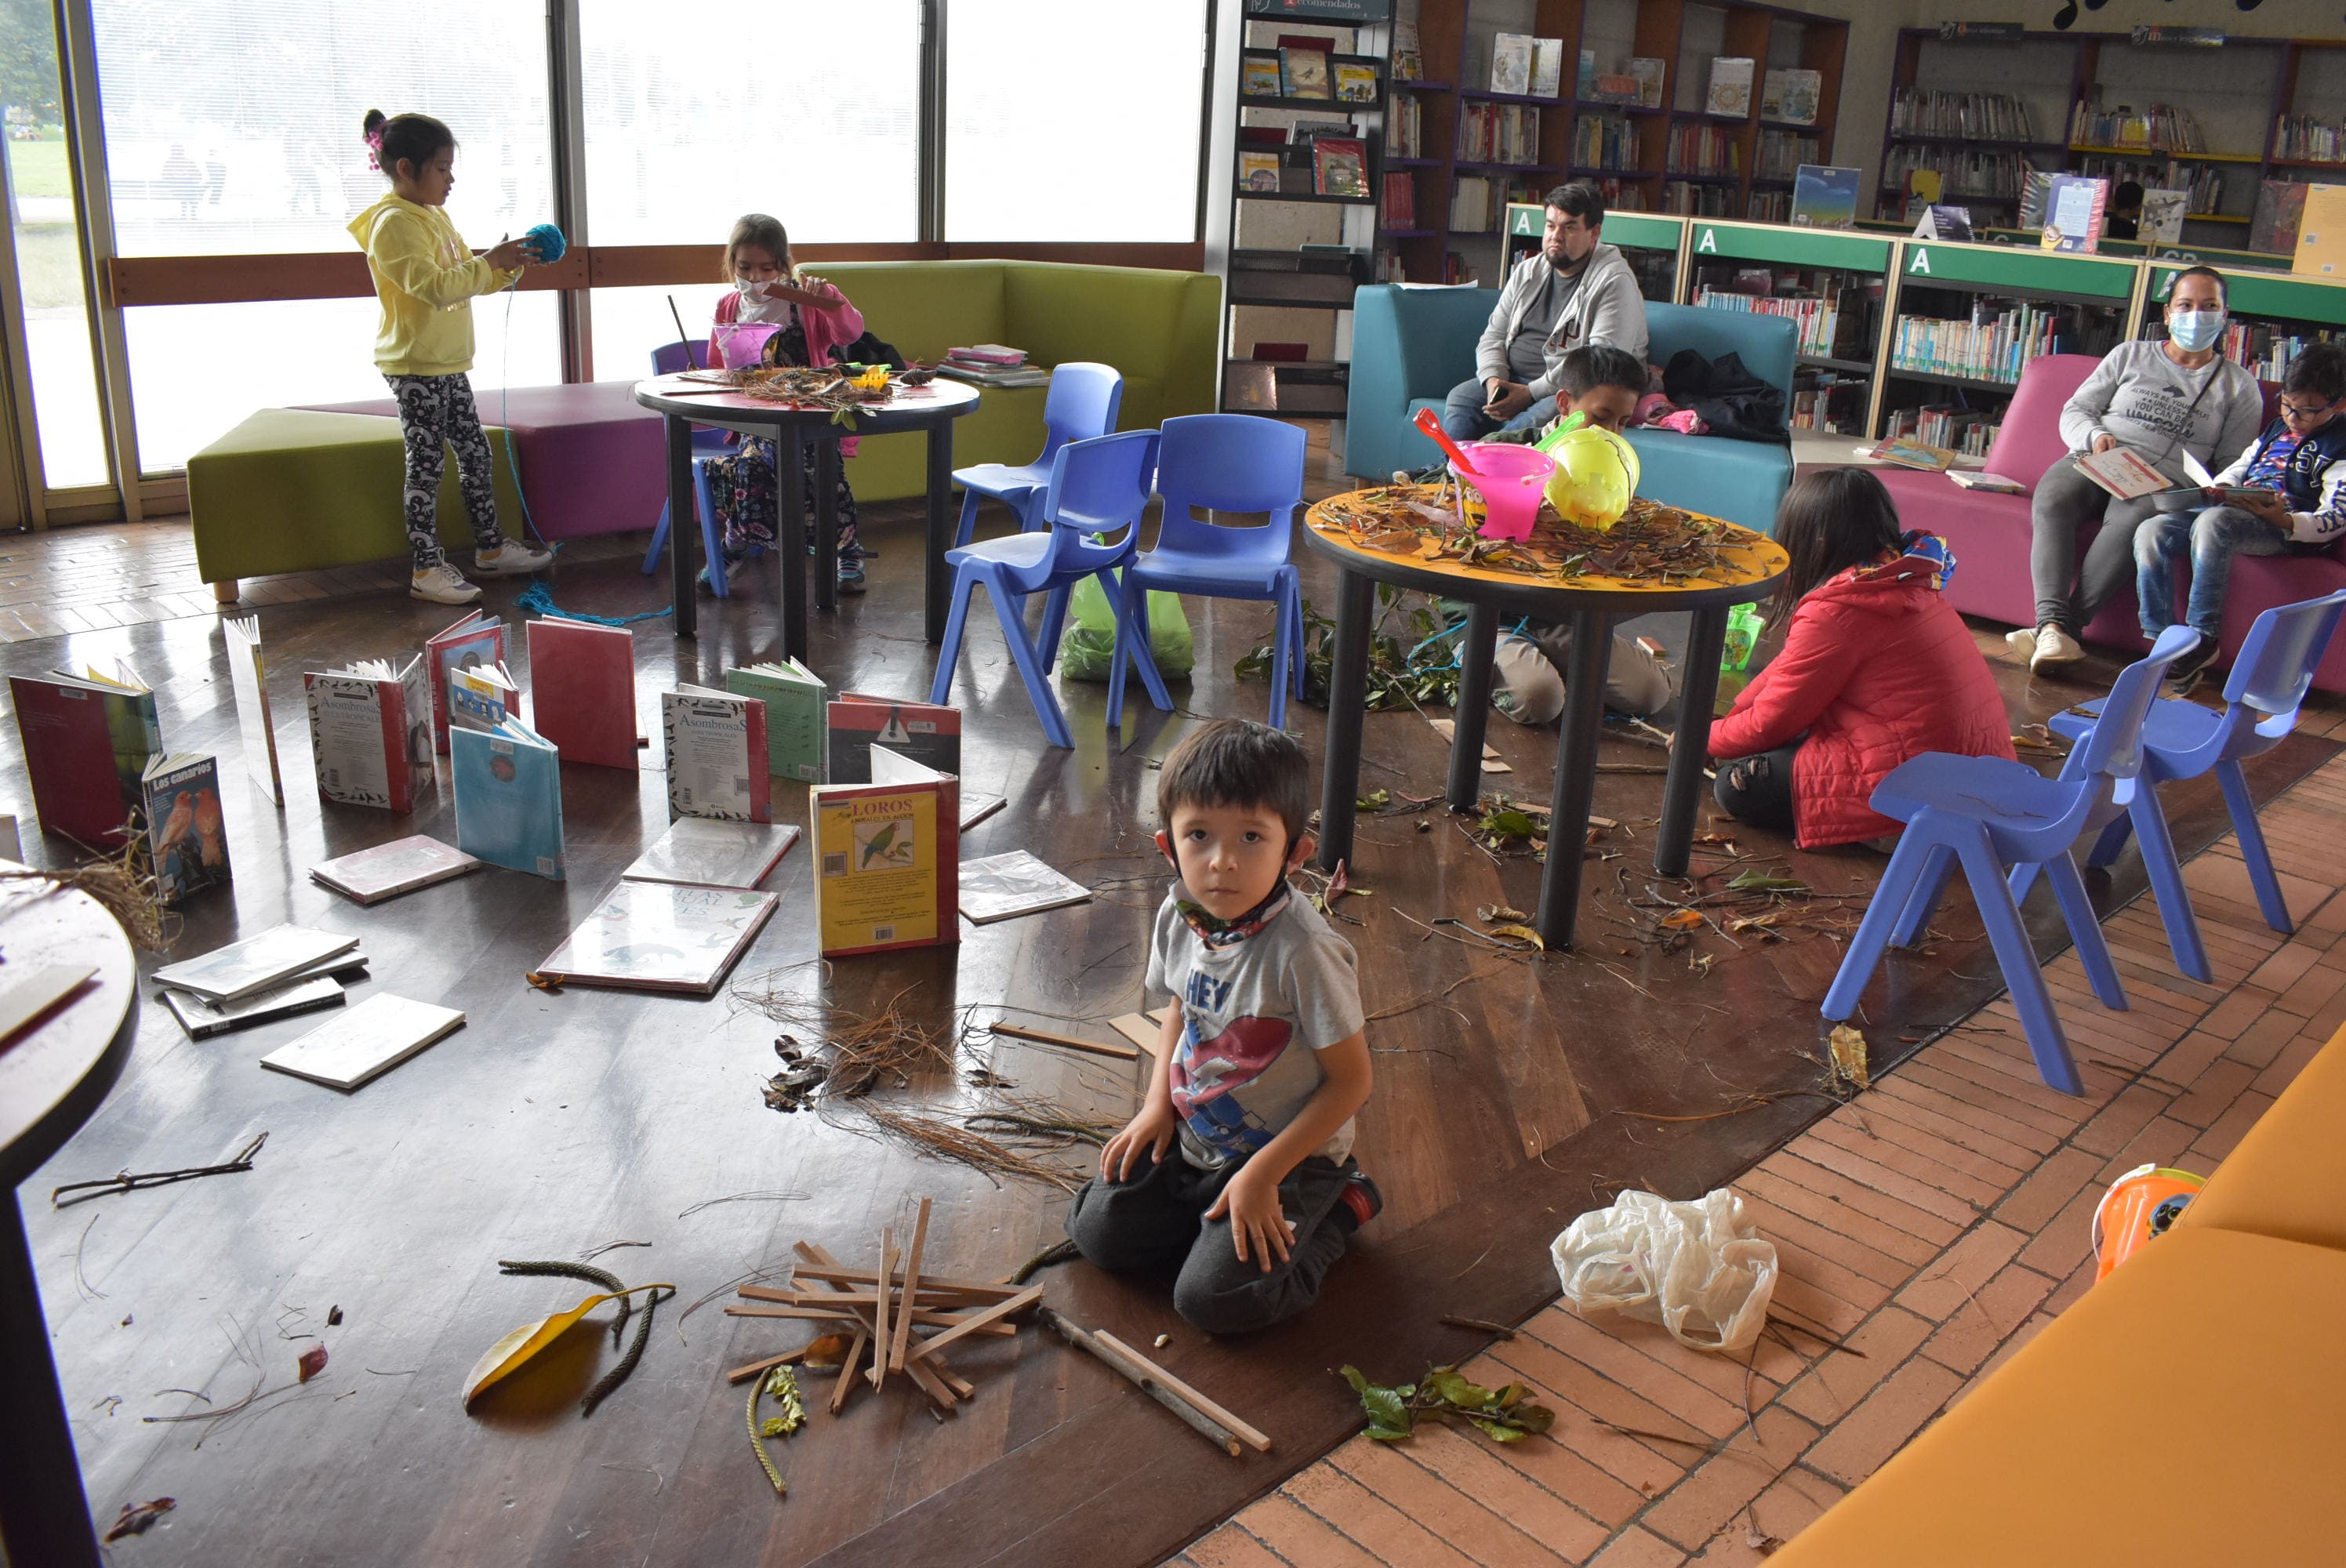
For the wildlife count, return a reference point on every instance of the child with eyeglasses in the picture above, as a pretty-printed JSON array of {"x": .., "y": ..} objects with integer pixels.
[{"x": 2288, "y": 496}]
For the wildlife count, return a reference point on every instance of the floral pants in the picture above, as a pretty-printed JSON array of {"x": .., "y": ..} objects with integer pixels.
[
  {"x": 436, "y": 413},
  {"x": 742, "y": 484}
]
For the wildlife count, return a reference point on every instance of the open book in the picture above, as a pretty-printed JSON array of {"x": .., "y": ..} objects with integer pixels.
[{"x": 2122, "y": 472}]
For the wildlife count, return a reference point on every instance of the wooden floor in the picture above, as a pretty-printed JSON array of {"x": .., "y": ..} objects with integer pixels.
[{"x": 555, "y": 1124}]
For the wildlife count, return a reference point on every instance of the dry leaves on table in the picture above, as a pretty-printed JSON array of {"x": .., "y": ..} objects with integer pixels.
[{"x": 1848, "y": 1057}]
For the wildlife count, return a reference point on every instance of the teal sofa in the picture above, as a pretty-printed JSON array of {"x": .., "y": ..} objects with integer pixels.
[{"x": 1411, "y": 346}]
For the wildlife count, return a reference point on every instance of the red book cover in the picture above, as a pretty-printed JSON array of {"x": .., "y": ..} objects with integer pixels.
[
  {"x": 928, "y": 735},
  {"x": 69, "y": 752},
  {"x": 582, "y": 690},
  {"x": 474, "y": 641},
  {"x": 761, "y": 774}
]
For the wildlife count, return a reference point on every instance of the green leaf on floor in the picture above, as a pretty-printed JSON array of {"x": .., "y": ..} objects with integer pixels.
[{"x": 1504, "y": 1415}]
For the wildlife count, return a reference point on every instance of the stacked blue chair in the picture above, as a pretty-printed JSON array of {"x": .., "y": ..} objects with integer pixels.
[
  {"x": 1990, "y": 814},
  {"x": 707, "y": 442},
  {"x": 1096, "y": 488},
  {"x": 2182, "y": 740},
  {"x": 1224, "y": 463},
  {"x": 1081, "y": 405}
]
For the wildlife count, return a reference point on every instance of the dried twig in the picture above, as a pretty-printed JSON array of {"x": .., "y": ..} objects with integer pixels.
[{"x": 131, "y": 1182}]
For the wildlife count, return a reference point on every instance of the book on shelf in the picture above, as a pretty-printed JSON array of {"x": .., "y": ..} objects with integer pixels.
[
  {"x": 1340, "y": 165},
  {"x": 387, "y": 871},
  {"x": 1650, "y": 72},
  {"x": 1614, "y": 87},
  {"x": 1585, "y": 85},
  {"x": 927, "y": 734},
  {"x": 187, "y": 846},
  {"x": 1995, "y": 343},
  {"x": 2281, "y": 208},
  {"x": 1001, "y": 887},
  {"x": 1790, "y": 96},
  {"x": 703, "y": 852},
  {"x": 371, "y": 732},
  {"x": 1782, "y": 152},
  {"x": 582, "y": 690},
  {"x": 794, "y": 697},
  {"x": 2076, "y": 210},
  {"x": 2303, "y": 138},
  {"x": 1408, "y": 63},
  {"x": 1303, "y": 73},
  {"x": 2321, "y": 249},
  {"x": 1730, "y": 86},
  {"x": 2162, "y": 217},
  {"x": 1899, "y": 452},
  {"x": 365, "y": 1041},
  {"x": 247, "y": 679},
  {"x": 1261, "y": 77},
  {"x": 1994, "y": 483},
  {"x": 1971, "y": 116},
  {"x": 1398, "y": 210},
  {"x": 887, "y": 858},
  {"x": 202, "y": 1018},
  {"x": 1498, "y": 133},
  {"x": 1942, "y": 222},
  {"x": 2163, "y": 128},
  {"x": 508, "y": 787},
  {"x": 1547, "y": 68},
  {"x": 1259, "y": 171},
  {"x": 1511, "y": 63},
  {"x": 87, "y": 739},
  {"x": 1470, "y": 211},
  {"x": 658, "y": 936},
  {"x": 1605, "y": 141},
  {"x": 1356, "y": 84},
  {"x": 717, "y": 757},
  {"x": 477, "y": 639},
  {"x": 1824, "y": 196},
  {"x": 273, "y": 957}
]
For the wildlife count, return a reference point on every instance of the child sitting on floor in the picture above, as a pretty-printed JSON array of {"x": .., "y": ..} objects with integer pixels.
[
  {"x": 2296, "y": 458},
  {"x": 1263, "y": 1061}
]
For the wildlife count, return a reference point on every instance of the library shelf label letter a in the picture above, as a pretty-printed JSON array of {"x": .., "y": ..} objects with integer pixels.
[
  {"x": 1919, "y": 264},
  {"x": 1709, "y": 241}
]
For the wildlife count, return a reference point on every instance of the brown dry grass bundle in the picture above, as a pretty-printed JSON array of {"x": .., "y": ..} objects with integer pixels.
[
  {"x": 1030, "y": 1128},
  {"x": 123, "y": 887},
  {"x": 864, "y": 1051}
]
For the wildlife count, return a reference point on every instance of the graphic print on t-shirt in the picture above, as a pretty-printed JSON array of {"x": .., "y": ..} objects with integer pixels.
[{"x": 1208, "y": 1074}]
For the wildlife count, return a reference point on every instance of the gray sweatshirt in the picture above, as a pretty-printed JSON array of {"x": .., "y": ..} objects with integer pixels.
[
  {"x": 1606, "y": 308},
  {"x": 2160, "y": 411}
]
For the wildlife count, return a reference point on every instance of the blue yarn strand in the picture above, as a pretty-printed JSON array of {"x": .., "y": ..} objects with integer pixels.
[{"x": 537, "y": 600}]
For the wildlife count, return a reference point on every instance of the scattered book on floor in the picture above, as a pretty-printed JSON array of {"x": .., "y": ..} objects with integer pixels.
[
  {"x": 371, "y": 732},
  {"x": 509, "y": 798},
  {"x": 717, "y": 757},
  {"x": 794, "y": 697},
  {"x": 1902, "y": 452},
  {"x": 657, "y": 936},
  {"x": 1001, "y": 886},
  {"x": 387, "y": 871},
  {"x": 248, "y": 679},
  {"x": 977, "y": 807},
  {"x": 698, "y": 853},
  {"x": 2123, "y": 472},
  {"x": 87, "y": 739},
  {"x": 582, "y": 690},
  {"x": 888, "y": 854},
  {"x": 476, "y": 640},
  {"x": 482, "y": 696},
  {"x": 187, "y": 846},
  {"x": 203, "y": 1018},
  {"x": 365, "y": 1041},
  {"x": 271, "y": 958},
  {"x": 927, "y": 734},
  {"x": 1995, "y": 484},
  {"x": 350, "y": 968}
]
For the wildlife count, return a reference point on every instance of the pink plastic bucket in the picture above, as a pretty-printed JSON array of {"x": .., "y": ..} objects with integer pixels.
[
  {"x": 743, "y": 343},
  {"x": 1512, "y": 480}
]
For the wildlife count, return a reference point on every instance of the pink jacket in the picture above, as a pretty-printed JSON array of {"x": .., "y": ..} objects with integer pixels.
[{"x": 828, "y": 327}]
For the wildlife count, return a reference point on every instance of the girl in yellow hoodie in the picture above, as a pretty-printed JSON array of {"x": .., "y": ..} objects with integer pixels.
[{"x": 425, "y": 277}]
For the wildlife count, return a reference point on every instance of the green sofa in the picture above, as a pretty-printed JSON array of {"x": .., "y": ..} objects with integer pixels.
[{"x": 293, "y": 489}]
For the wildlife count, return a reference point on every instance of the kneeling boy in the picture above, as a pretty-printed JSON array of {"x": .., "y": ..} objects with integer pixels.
[{"x": 1262, "y": 1063}]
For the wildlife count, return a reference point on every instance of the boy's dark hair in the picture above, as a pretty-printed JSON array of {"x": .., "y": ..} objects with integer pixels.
[
  {"x": 2223, "y": 290},
  {"x": 1830, "y": 520},
  {"x": 2127, "y": 197},
  {"x": 2319, "y": 370},
  {"x": 1594, "y": 365},
  {"x": 416, "y": 138},
  {"x": 766, "y": 233},
  {"x": 1578, "y": 199},
  {"x": 1238, "y": 762}
]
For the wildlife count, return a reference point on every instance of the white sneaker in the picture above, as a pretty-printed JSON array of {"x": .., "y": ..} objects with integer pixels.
[
  {"x": 511, "y": 559},
  {"x": 2046, "y": 648},
  {"x": 442, "y": 584}
]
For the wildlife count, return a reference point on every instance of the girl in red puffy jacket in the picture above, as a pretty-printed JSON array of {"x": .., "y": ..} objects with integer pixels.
[{"x": 1876, "y": 668}]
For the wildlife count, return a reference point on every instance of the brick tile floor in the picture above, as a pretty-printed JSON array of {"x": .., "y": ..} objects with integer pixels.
[{"x": 1938, "y": 1223}]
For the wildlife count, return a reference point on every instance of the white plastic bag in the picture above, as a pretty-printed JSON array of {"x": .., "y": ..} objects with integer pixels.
[{"x": 1699, "y": 1269}]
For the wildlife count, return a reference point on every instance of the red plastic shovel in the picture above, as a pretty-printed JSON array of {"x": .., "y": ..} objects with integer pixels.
[{"x": 1427, "y": 422}]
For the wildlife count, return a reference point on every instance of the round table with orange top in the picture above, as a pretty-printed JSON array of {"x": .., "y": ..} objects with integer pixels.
[{"x": 1558, "y": 575}]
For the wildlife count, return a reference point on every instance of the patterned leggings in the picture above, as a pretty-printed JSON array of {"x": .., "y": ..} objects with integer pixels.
[
  {"x": 436, "y": 413},
  {"x": 742, "y": 484}
]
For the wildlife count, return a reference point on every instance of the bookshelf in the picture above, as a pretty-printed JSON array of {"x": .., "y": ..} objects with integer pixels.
[
  {"x": 1831, "y": 284},
  {"x": 2272, "y": 317}
]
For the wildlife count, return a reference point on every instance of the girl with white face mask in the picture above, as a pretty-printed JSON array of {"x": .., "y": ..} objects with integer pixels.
[
  {"x": 814, "y": 318},
  {"x": 2160, "y": 400}
]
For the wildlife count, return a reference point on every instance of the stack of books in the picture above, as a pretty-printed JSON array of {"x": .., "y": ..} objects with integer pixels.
[
  {"x": 992, "y": 365},
  {"x": 1604, "y": 141},
  {"x": 1971, "y": 116},
  {"x": 1704, "y": 149},
  {"x": 2309, "y": 140},
  {"x": 285, "y": 969},
  {"x": 1993, "y": 345},
  {"x": 2164, "y": 128},
  {"x": 1782, "y": 153}
]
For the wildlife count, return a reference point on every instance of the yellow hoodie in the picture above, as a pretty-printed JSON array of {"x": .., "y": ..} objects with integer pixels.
[{"x": 425, "y": 275}]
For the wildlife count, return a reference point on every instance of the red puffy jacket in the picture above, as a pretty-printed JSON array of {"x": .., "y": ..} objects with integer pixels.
[{"x": 1876, "y": 668}]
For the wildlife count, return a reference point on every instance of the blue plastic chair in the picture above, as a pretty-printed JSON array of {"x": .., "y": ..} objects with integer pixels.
[
  {"x": 1096, "y": 487},
  {"x": 1990, "y": 814},
  {"x": 1224, "y": 463},
  {"x": 1080, "y": 406},
  {"x": 707, "y": 442},
  {"x": 2182, "y": 740}
]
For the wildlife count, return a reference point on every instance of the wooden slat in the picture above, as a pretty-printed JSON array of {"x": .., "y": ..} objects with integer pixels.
[
  {"x": 880, "y": 1310},
  {"x": 1245, "y": 1433},
  {"x": 1018, "y": 1303},
  {"x": 912, "y": 1288}
]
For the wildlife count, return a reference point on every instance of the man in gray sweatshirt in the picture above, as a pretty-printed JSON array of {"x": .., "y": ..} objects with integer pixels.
[{"x": 1575, "y": 291}]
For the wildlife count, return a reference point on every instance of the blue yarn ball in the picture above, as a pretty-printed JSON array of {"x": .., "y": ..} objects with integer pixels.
[{"x": 546, "y": 240}]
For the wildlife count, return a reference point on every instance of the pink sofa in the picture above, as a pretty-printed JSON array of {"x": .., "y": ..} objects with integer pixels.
[{"x": 1990, "y": 534}]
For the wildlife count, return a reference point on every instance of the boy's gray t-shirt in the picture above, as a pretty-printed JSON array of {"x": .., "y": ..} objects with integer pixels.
[{"x": 1252, "y": 1014}]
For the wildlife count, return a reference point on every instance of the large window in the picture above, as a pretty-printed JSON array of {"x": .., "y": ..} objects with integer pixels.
[{"x": 1074, "y": 120}]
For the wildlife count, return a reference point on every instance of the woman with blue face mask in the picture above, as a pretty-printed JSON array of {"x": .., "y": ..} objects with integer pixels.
[{"x": 2159, "y": 399}]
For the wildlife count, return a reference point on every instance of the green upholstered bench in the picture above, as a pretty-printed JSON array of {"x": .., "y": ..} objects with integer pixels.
[{"x": 292, "y": 490}]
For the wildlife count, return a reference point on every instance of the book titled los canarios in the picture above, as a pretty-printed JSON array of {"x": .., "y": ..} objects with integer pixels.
[{"x": 887, "y": 858}]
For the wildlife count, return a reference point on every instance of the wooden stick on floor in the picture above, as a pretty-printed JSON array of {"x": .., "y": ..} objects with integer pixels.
[
  {"x": 1252, "y": 1438},
  {"x": 879, "y": 1314},
  {"x": 912, "y": 1288},
  {"x": 977, "y": 1321},
  {"x": 840, "y": 1391},
  {"x": 1204, "y": 1425},
  {"x": 939, "y": 1393},
  {"x": 1068, "y": 1042}
]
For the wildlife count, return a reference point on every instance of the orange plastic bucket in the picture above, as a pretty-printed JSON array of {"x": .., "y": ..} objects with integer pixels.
[{"x": 2139, "y": 1205}]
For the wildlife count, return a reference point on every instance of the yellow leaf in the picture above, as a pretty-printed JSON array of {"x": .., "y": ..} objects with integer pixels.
[
  {"x": 527, "y": 1341},
  {"x": 1487, "y": 913},
  {"x": 831, "y": 1351},
  {"x": 1520, "y": 933},
  {"x": 1682, "y": 920},
  {"x": 1849, "y": 1055}
]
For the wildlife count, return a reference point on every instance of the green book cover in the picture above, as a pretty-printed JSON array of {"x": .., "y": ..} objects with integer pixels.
[{"x": 794, "y": 697}]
